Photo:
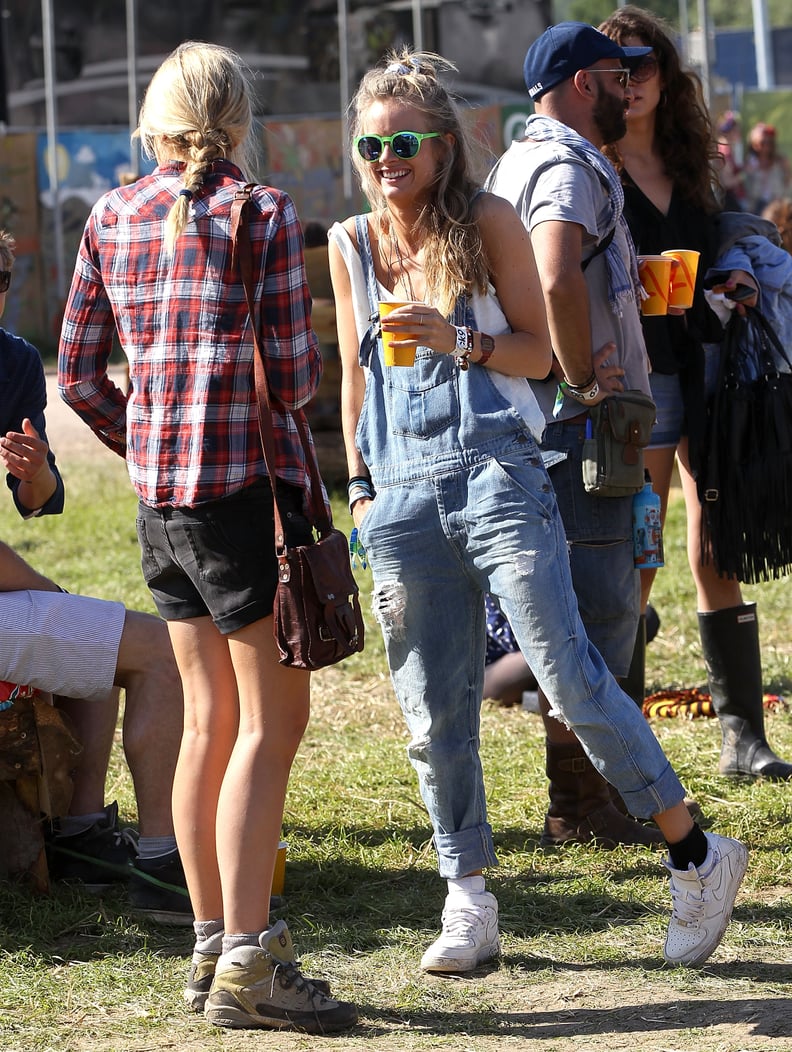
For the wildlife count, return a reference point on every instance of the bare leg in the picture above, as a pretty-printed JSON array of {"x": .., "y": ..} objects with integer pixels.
[
  {"x": 94, "y": 724},
  {"x": 507, "y": 678},
  {"x": 675, "y": 823},
  {"x": 211, "y": 715},
  {"x": 234, "y": 766},
  {"x": 153, "y": 717},
  {"x": 274, "y": 706},
  {"x": 713, "y": 592}
]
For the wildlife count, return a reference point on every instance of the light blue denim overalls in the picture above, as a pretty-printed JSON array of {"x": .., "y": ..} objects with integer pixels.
[{"x": 464, "y": 506}]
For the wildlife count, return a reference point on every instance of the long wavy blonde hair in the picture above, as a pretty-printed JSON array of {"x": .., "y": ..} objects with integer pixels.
[
  {"x": 200, "y": 100},
  {"x": 454, "y": 258}
]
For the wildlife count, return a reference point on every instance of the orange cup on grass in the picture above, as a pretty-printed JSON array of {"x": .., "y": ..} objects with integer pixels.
[
  {"x": 655, "y": 275},
  {"x": 396, "y": 355},
  {"x": 683, "y": 279},
  {"x": 279, "y": 876}
]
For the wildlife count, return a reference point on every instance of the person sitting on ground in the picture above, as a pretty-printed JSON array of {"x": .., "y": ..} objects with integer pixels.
[
  {"x": 78, "y": 649},
  {"x": 506, "y": 673},
  {"x": 99, "y": 647}
]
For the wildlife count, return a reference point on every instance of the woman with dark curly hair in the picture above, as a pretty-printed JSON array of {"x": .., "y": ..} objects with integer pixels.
[{"x": 668, "y": 162}]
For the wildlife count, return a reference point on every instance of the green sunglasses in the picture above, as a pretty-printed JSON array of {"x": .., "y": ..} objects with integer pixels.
[{"x": 404, "y": 144}]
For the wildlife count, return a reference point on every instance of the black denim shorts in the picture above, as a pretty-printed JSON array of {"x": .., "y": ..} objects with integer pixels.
[{"x": 218, "y": 559}]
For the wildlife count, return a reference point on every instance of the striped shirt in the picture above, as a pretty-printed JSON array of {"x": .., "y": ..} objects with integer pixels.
[
  {"x": 66, "y": 644},
  {"x": 188, "y": 426}
]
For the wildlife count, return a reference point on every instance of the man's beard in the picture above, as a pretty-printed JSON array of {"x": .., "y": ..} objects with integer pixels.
[{"x": 609, "y": 116}]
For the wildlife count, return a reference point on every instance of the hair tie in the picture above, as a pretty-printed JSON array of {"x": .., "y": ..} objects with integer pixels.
[
  {"x": 185, "y": 193},
  {"x": 402, "y": 70}
]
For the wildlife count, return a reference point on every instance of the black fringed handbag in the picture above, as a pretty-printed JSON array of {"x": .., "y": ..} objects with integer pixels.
[
  {"x": 746, "y": 479},
  {"x": 317, "y": 619}
]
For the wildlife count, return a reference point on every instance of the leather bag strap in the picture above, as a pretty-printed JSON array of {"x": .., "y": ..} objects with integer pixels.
[{"x": 240, "y": 236}]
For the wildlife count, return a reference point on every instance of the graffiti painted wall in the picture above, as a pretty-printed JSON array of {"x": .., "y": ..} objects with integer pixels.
[
  {"x": 302, "y": 157},
  {"x": 19, "y": 214}
]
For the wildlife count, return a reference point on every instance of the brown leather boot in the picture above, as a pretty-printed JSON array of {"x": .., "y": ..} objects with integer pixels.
[{"x": 581, "y": 810}]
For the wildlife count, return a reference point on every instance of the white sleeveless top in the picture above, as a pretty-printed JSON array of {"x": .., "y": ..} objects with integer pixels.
[{"x": 489, "y": 318}]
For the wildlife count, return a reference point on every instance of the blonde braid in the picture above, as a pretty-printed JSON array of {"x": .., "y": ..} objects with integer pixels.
[
  {"x": 201, "y": 149},
  {"x": 199, "y": 100}
]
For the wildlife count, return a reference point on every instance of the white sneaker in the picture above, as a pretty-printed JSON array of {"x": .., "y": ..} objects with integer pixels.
[
  {"x": 469, "y": 936},
  {"x": 703, "y": 900}
]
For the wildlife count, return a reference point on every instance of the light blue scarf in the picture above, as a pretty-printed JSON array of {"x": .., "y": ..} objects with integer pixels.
[{"x": 623, "y": 281}]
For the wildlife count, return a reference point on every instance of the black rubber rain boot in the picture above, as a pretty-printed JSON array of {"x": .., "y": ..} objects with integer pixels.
[
  {"x": 730, "y": 641},
  {"x": 634, "y": 683}
]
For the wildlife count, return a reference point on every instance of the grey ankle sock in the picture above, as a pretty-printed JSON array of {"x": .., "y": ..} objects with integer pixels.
[
  {"x": 208, "y": 936},
  {"x": 245, "y": 938},
  {"x": 155, "y": 846},
  {"x": 71, "y": 825}
]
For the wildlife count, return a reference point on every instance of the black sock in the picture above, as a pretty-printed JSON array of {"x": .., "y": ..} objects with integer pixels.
[{"x": 693, "y": 849}]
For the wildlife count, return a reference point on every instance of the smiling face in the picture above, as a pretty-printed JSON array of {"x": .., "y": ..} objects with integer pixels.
[{"x": 404, "y": 182}]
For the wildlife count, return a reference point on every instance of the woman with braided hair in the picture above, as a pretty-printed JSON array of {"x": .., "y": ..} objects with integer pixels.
[{"x": 156, "y": 264}]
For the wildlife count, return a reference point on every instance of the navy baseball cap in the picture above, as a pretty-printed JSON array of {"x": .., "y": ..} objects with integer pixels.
[{"x": 565, "y": 48}]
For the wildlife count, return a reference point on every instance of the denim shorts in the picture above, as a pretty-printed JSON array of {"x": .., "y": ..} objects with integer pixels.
[
  {"x": 671, "y": 424},
  {"x": 670, "y": 412},
  {"x": 218, "y": 559}
]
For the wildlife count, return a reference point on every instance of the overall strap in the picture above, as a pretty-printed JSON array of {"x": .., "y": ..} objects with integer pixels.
[
  {"x": 367, "y": 259},
  {"x": 369, "y": 341}
]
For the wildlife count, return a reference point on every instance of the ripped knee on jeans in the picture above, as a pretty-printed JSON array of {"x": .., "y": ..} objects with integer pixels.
[{"x": 388, "y": 603}]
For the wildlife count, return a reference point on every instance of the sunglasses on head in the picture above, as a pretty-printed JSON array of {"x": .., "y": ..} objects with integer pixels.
[
  {"x": 5, "y": 280},
  {"x": 623, "y": 75},
  {"x": 645, "y": 70},
  {"x": 404, "y": 144}
]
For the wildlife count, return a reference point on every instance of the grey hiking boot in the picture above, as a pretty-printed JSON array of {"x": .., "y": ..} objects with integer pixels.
[
  {"x": 260, "y": 987},
  {"x": 202, "y": 971}
]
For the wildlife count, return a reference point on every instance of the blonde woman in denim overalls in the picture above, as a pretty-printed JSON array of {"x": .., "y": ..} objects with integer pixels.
[{"x": 451, "y": 497}]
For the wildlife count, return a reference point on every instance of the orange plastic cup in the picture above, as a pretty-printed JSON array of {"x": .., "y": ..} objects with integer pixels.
[
  {"x": 683, "y": 280},
  {"x": 655, "y": 275},
  {"x": 279, "y": 876},
  {"x": 396, "y": 355}
]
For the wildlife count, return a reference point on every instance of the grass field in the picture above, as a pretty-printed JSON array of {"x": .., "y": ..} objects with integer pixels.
[{"x": 582, "y": 928}]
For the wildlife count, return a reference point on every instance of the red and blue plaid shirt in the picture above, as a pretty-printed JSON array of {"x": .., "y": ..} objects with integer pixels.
[{"x": 188, "y": 427}]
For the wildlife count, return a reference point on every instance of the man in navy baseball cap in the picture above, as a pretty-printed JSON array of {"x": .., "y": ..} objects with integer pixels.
[
  {"x": 567, "y": 47},
  {"x": 570, "y": 199}
]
